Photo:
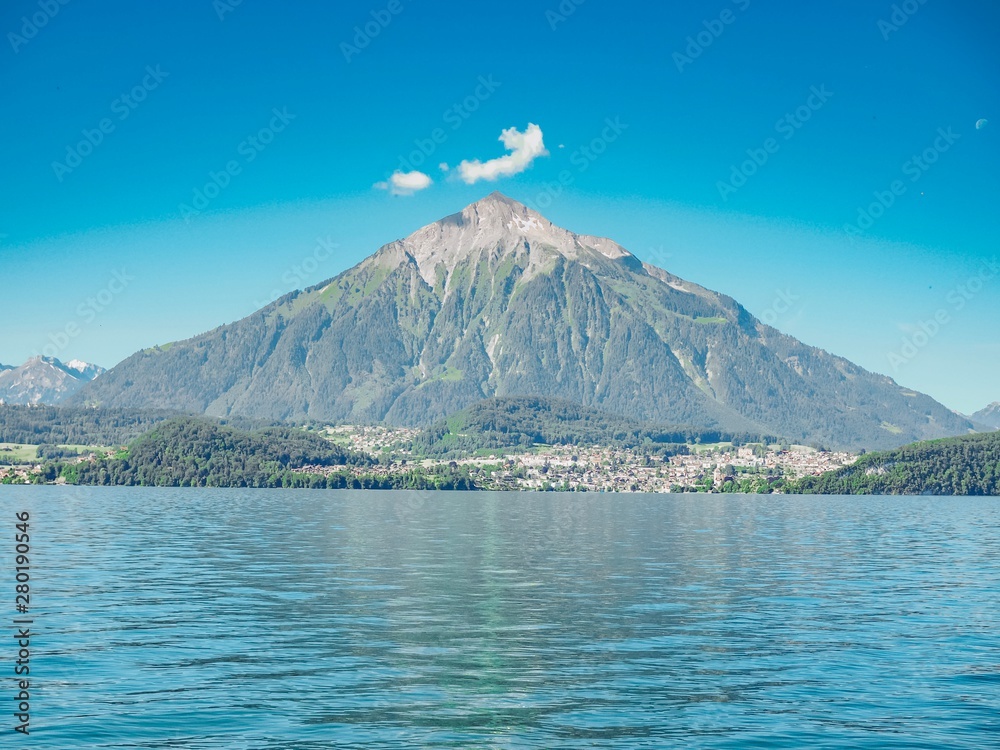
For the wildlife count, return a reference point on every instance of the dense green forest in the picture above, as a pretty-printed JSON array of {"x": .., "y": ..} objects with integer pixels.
[
  {"x": 55, "y": 425},
  {"x": 967, "y": 465},
  {"x": 522, "y": 422},
  {"x": 199, "y": 452}
]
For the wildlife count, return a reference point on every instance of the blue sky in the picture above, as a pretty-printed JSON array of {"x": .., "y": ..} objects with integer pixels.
[{"x": 752, "y": 139}]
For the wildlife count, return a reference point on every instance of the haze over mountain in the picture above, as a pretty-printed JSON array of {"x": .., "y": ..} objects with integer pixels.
[
  {"x": 990, "y": 416},
  {"x": 44, "y": 380},
  {"x": 498, "y": 301}
]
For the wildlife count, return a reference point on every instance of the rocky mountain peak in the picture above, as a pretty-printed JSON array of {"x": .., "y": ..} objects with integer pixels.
[
  {"x": 44, "y": 380},
  {"x": 86, "y": 370},
  {"x": 496, "y": 223},
  {"x": 990, "y": 416}
]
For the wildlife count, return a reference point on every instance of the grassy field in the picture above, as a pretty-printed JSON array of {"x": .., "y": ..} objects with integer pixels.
[
  {"x": 699, "y": 448},
  {"x": 13, "y": 454}
]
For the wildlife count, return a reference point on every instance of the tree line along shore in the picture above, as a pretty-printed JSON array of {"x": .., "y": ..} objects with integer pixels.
[{"x": 165, "y": 450}]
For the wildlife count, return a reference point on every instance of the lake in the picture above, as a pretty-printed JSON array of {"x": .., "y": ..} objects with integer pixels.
[{"x": 283, "y": 619}]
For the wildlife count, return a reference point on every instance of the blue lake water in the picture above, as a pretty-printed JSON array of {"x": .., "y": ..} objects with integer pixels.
[{"x": 280, "y": 619}]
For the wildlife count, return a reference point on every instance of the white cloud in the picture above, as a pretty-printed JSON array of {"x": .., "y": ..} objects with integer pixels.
[
  {"x": 405, "y": 183},
  {"x": 524, "y": 147}
]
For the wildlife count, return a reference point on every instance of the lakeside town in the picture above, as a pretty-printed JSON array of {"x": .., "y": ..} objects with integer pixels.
[{"x": 707, "y": 468}]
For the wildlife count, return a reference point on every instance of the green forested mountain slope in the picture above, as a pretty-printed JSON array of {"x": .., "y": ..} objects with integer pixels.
[
  {"x": 200, "y": 452},
  {"x": 57, "y": 425},
  {"x": 521, "y": 422},
  {"x": 968, "y": 465},
  {"x": 496, "y": 301},
  {"x": 188, "y": 451}
]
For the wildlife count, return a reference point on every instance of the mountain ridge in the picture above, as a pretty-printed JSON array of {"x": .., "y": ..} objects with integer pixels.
[
  {"x": 44, "y": 380},
  {"x": 989, "y": 416},
  {"x": 497, "y": 301},
  {"x": 496, "y": 220}
]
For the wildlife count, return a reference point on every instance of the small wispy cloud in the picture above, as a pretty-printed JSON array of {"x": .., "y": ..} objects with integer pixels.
[
  {"x": 405, "y": 183},
  {"x": 524, "y": 147}
]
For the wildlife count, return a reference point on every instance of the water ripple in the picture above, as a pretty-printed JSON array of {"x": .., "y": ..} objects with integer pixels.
[{"x": 271, "y": 619}]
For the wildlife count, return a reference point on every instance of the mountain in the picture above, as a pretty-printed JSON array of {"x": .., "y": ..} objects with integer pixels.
[
  {"x": 496, "y": 301},
  {"x": 84, "y": 370},
  {"x": 44, "y": 380},
  {"x": 4, "y": 367},
  {"x": 966, "y": 465},
  {"x": 990, "y": 416}
]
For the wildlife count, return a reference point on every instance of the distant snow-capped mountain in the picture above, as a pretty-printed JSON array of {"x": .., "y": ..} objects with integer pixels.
[{"x": 44, "y": 380}]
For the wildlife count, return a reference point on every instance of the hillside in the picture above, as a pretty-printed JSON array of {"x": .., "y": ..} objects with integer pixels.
[
  {"x": 968, "y": 465},
  {"x": 55, "y": 425},
  {"x": 199, "y": 452},
  {"x": 496, "y": 301},
  {"x": 528, "y": 421}
]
